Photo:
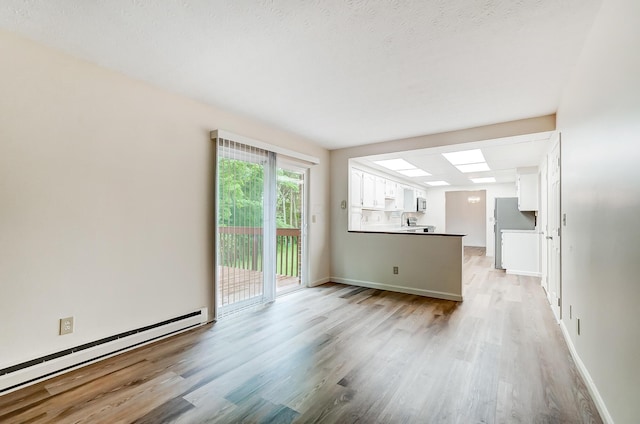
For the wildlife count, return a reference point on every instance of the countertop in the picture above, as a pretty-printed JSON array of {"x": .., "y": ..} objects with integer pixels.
[
  {"x": 416, "y": 233},
  {"x": 522, "y": 231}
]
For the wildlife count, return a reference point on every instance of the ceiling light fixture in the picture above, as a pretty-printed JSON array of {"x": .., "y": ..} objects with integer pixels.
[
  {"x": 483, "y": 180},
  {"x": 414, "y": 173},
  {"x": 465, "y": 157},
  {"x": 473, "y": 199},
  {"x": 437, "y": 183},
  {"x": 395, "y": 164},
  {"x": 473, "y": 167}
]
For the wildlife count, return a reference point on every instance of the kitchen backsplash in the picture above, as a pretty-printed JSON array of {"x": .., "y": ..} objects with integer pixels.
[{"x": 384, "y": 220}]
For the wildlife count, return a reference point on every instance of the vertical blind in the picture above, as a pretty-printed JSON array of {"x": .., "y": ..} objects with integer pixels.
[{"x": 244, "y": 221}]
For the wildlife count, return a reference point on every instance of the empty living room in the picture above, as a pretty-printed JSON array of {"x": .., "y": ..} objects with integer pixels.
[{"x": 293, "y": 212}]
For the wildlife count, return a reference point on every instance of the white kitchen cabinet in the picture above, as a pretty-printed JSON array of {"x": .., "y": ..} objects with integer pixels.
[
  {"x": 527, "y": 190},
  {"x": 390, "y": 189},
  {"x": 372, "y": 191},
  {"x": 355, "y": 220},
  {"x": 390, "y": 195},
  {"x": 378, "y": 201},
  {"x": 521, "y": 252},
  {"x": 368, "y": 191},
  {"x": 355, "y": 198}
]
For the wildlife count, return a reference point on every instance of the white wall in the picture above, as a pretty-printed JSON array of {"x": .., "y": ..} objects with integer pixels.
[
  {"x": 106, "y": 200},
  {"x": 435, "y": 214},
  {"x": 599, "y": 119}
]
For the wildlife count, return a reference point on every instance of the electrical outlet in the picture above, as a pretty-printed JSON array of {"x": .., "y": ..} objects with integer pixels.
[
  {"x": 66, "y": 325},
  {"x": 395, "y": 269}
]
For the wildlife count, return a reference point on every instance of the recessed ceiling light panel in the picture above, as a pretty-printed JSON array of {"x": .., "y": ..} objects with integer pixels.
[
  {"x": 395, "y": 164},
  {"x": 483, "y": 180},
  {"x": 464, "y": 157},
  {"x": 473, "y": 167},
  {"x": 437, "y": 183},
  {"x": 414, "y": 173}
]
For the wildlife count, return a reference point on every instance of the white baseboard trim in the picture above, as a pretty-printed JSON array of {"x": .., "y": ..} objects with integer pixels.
[
  {"x": 591, "y": 386},
  {"x": 527, "y": 273},
  {"x": 399, "y": 289},
  {"x": 32, "y": 374},
  {"x": 319, "y": 282}
]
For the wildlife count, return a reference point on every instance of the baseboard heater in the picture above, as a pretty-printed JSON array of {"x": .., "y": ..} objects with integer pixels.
[{"x": 28, "y": 372}]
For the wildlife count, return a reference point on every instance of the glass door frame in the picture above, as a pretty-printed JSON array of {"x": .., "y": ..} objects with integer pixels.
[
  {"x": 293, "y": 165},
  {"x": 267, "y": 160},
  {"x": 300, "y": 160}
]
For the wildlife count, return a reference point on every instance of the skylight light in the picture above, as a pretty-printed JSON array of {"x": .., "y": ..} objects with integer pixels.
[
  {"x": 473, "y": 167},
  {"x": 483, "y": 180},
  {"x": 437, "y": 183},
  {"x": 395, "y": 164},
  {"x": 465, "y": 157},
  {"x": 414, "y": 173}
]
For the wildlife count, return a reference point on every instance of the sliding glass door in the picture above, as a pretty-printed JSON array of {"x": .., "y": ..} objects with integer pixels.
[
  {"x": 260, "y": 223},
  {"x": 290, "y": 219},
  {"x": 245, "y": 222}
]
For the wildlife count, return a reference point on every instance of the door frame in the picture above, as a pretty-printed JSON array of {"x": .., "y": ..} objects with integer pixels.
[
  {"x": 555, "y": 234},
  {"x": 293, "y": 165},
  {"x": 304, "y": 160}
]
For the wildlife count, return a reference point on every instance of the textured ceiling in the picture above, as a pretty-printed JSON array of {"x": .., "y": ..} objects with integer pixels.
[{"x": 339, "y": 72}]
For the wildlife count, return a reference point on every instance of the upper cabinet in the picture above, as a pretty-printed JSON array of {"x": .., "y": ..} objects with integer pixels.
[
  {"x": 367, "y": 191},
  {"x": 390, "y": 189},
  {"x": 370, "y": 191},
  {"x": 528, "y": 190},
  {"x": 378, "y": 199},
  {"x": 356, "y": 188},
  {"x": 390, "y": 195}
]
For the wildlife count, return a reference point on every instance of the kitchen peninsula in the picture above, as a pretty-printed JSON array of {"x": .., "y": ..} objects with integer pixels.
[
  {"x": 391, "y": 245},
  {"x": 428, "y": 264}
]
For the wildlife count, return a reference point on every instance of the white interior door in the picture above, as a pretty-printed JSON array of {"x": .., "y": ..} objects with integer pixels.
[
  {"x": 554, "y": 236},
  {"x": 544, "y": 224}
]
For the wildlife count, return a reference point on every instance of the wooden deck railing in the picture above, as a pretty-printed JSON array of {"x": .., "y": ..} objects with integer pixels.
[{"x": 241, "y": 247}]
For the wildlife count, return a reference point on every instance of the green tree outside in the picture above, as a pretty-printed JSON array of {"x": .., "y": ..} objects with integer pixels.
[{"x": 240, "y": 204}]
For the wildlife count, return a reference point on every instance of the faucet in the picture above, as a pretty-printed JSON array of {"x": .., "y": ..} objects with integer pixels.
[{"x": 403, "y": 219}]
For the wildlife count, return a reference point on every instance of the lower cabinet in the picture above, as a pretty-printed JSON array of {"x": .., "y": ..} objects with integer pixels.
[{"x": 521, "y": 252}]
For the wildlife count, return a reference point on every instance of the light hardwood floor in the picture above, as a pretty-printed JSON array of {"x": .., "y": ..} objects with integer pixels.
[{"x": 340, "y": 354}]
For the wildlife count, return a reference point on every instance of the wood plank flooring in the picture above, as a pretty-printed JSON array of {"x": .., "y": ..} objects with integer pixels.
[{"x": 340, "y": 354}]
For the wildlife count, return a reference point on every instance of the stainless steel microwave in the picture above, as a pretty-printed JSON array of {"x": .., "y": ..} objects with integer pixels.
[{"x": 422, "y": 204}]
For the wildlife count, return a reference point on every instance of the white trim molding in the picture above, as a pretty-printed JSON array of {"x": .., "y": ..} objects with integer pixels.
[
  {"x": 525, "y": 273},
  {"x": 319, "y": 282},
  {"x": 591, "y": 385},
  {"x": 399, "y": 289}
]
